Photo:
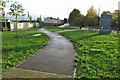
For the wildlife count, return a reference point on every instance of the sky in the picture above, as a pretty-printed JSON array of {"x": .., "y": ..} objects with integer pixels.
[{"x": 62, "y": 8}]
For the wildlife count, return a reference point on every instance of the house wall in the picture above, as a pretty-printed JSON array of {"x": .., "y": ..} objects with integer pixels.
[
  {"x": 23, "y": 25},
  {"x": 51, "y": 22}
]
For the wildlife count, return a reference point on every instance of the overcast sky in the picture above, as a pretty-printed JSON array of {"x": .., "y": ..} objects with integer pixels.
[{"x": 62, "y": 8}]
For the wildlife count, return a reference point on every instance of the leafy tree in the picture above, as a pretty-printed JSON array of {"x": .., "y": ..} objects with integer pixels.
[
  {"x": 16, "y": 10},
  {"x": 76, "y": 18},
  {"x": 118, "y": 20},
  {"x": 30, "y": 18},
  {"x": 79, "y": 21},
  {"x": 114, "y": 19},
  {"x": 65, "y": 20},
  {"x": 39, "y": 20},
  {"x": 74, "y": 14},
  {"x": 106, "y": 13},
  {"x": 92, "y": 17}
]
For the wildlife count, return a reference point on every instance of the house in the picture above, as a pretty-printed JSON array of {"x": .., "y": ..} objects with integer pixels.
[
  {"x": 52, "y": 21},
  {"x": 23, "y": 24}
]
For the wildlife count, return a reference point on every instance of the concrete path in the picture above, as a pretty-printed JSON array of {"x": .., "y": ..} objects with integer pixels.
[
  {"x": 28, "y": 74},
  {"x": 57, "y": 57}
]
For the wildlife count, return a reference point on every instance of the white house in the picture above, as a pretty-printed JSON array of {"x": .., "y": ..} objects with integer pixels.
[{"x": 23, "y": 25}]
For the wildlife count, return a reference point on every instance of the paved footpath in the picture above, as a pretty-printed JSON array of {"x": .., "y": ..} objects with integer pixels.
[{"x": 56, "y": 58}]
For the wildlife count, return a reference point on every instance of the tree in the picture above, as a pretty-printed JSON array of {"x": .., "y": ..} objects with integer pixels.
[
  {"x": 30, "y": 18},
  {"x": 106, "y": 13},
  {"x": 65, "y": 20},
  {"x": 3, "y": 4},
  {"x": 115, "y": 19},
  {"x": 79, "y": 21},
  {"x": 16, "y": 10},
  {"x": 118, "y": 20},
  {"x": 74, "y": 14},
  {"x": 92, "y": 17},
  {"x": 39, "y": 20},
  {"x": 118, "y": 25},
  {"x": 76, "y": 18}
]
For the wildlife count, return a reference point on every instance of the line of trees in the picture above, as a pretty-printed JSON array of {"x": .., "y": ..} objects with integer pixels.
[
  {"x": 92, "y": 18},
  {"x": 78, "y": 19}
]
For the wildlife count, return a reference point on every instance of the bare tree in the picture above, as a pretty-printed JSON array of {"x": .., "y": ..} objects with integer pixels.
[{"x": 16, "y": 10}]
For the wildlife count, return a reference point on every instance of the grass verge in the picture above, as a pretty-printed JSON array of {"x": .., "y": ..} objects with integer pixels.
[
  {"x": 15, "y": 50},
  {"x": 97, "y": 55},
  {"x": 56, "y": 28}
]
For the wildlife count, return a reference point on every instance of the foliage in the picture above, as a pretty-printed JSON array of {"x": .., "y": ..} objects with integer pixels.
[
  {"x": 92, "y": 17},
  {"x": 39, "y": 20},
  {"x": 3, "y": 2},
  {"x": 65, "y": 20},
  {"x": 15, "y": 50},
  {"x": 115, "y": 19},
  {"x": 74, "y": 14},
  {"x": 76, "y": 18},
  {"x": 79, "y": 21},
  {"x": 118, "y": 25},
  {"x": 97, "y": 55},
  {"x": 16, "y": 10},
  {"x": 106, "y": 13}
]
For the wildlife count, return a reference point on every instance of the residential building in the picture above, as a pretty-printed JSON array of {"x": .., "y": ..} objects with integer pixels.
[{"x": 52, "y": 21}]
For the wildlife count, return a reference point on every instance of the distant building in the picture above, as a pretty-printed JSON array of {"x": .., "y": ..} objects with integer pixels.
[{"x": 52, "y": 21}]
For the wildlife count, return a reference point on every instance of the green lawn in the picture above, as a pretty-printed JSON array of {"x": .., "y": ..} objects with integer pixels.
[
  {"x": 97, "y": 55},
  {"x": 15, "y": 50},
  {"x": 56, "y": 28}
]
